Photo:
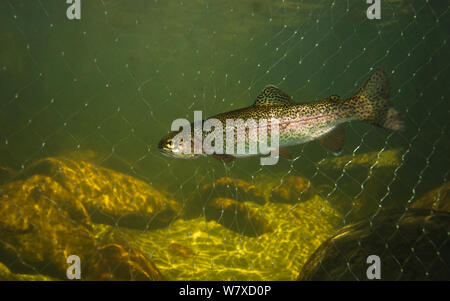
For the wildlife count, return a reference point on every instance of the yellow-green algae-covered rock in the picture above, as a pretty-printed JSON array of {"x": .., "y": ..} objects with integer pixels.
[
  {"x": 390, "y": 158},
  {"x": 115, "y": 262},
  {"x": 237, "y": 216},
  {"x": 110, "y": 197},
  {"x": 41, "y": 224},
  {"x": 225, "y": 201},
  {"x": 180, "y": 250},
  {"x": 232, "y": 188},
  {"x": 354, "y": 184},
  {"x": 437, "y": 199},
  {"x": 218, "y": 253},
  {"x": 7, "y": 275},
  {"x": 411, "y": 245},
  {"x": 351, "y": 208},
  {"x": 292, "y": 189}
]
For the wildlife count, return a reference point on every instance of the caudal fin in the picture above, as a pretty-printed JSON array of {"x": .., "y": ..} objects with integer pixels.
[{"x": 373, "y": 104}]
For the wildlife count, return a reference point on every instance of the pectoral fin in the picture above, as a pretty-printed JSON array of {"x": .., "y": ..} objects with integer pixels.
[{"x": 334, "y": 140}]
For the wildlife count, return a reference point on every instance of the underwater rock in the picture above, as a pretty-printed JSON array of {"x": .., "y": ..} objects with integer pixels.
[
  {"x": 237, "y": 216},
  {"x": 181, "y": 250},
  {"x": 41, "y": 224},
  {"x": 110, "y": 197},
  {"x": 6, "y": 174},
  {"x": 412, "y": 245},
  {"x": 359, "y": 193},
  {"x": 236, "y": 189},
  {"x": 350, "y": 208},
  {"x": 292, "y": 190},
  {"x": 114, "y": 262},
  {"x": 437, "y": 199},
  {"x": 7, "y": 275},
  {"x": 351, "y": 184},
  {"x": 221, "y": 254},
  {"x": 387, "y": 158},
  {"x": 354, "y": 184}
]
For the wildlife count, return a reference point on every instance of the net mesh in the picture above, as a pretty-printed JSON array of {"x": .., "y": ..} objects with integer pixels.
[{"x": 85, "y": 102}]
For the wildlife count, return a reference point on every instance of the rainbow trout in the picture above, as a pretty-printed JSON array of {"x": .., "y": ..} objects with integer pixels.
[{"x": 296, "y": 123}]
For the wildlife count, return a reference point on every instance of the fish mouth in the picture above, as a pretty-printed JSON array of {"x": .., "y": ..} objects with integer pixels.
[
  {"x": 171, "y": 154},
  {"x": 167, "y": 153}
]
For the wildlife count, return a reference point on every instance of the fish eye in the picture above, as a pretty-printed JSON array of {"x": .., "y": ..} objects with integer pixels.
[{"x": 170, "y": 144}]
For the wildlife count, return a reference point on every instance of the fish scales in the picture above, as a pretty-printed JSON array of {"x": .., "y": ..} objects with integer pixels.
[{"x": 303, "y": 122}]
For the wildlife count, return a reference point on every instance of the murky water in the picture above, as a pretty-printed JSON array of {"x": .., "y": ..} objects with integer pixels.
[{"x": 104, "y": 89}]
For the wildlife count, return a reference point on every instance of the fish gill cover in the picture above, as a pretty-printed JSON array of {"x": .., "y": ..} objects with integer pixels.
[{"x": 84, "y": 103}]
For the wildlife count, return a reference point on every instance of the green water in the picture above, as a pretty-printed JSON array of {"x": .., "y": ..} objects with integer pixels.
[{"x": 114, "y": 81}]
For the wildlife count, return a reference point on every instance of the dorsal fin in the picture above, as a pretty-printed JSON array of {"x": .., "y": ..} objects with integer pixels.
[{"x": 272, "y": 95}]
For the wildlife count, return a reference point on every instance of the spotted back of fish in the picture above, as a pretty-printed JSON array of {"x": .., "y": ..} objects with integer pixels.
[{"x": 318, "y": 120}]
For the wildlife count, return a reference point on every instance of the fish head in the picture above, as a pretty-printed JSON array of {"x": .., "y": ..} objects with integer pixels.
[{"x": 177, "y": 145}]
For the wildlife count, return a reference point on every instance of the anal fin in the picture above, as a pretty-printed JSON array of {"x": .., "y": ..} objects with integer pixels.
[
  {"x": 284, "y": 152},
  {"x": 334, "y": 140}
]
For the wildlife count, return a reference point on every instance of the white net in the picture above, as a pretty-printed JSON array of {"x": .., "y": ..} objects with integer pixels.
[{"x": 83, "y": 104}]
